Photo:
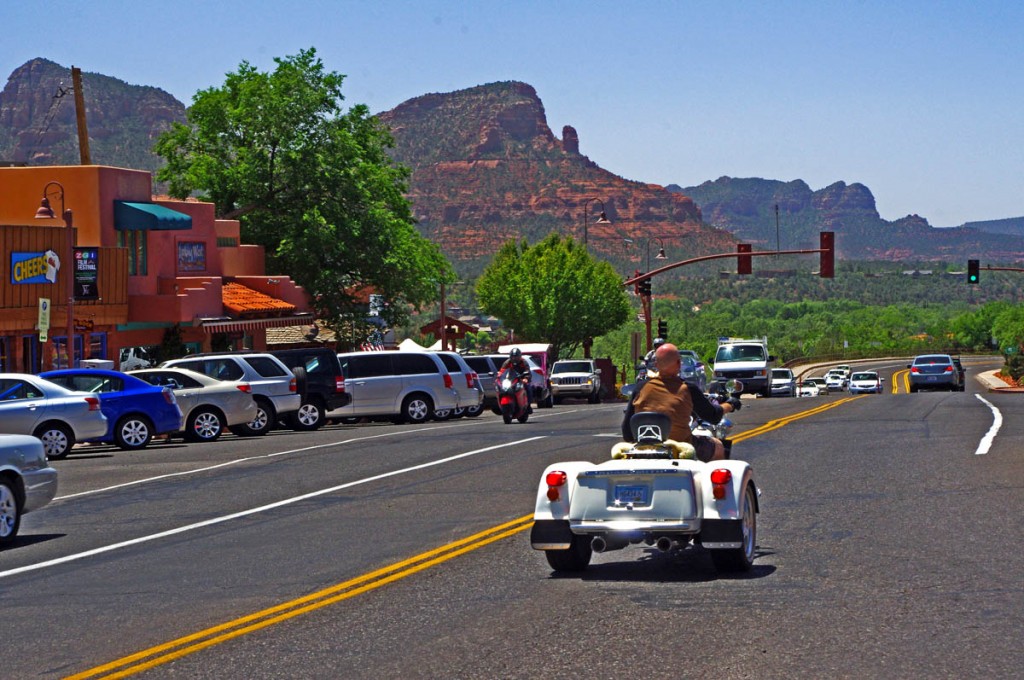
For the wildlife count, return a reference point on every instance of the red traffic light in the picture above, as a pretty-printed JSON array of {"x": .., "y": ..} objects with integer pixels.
[
  {"x": 743, "y": 264},
  {"x": 827, "y": 266}
]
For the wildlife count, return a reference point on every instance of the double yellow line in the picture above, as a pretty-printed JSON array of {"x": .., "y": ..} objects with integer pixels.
[
  {"x": 905, "y": 374},
  {"x": 772, "y": 425},
  {"x": 168, "y": 651},
  {"x": 189, "y": 644}
]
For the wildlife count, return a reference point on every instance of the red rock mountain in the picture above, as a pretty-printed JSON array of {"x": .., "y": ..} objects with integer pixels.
[{"x": 487, "y": 168}]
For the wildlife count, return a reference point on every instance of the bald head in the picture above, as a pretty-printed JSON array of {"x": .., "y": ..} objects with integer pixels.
[{"x": 666, "y": 359}]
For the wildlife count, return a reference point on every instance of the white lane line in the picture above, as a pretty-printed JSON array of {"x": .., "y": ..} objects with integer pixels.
[
  {"x": 263, "y": 508},
  {"x": 997, "y": 422}
]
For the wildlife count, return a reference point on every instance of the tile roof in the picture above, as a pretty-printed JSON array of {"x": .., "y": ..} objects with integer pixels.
[{"x": 244, "y": 302}]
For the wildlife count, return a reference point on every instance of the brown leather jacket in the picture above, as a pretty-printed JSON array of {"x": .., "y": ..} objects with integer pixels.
[{"x": 676, "y": 399}]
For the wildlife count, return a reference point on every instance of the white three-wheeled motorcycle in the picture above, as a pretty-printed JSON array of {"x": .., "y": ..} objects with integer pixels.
[{"x": 655, "y": 493}]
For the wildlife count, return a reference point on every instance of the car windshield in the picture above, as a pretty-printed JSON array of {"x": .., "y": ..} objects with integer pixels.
[
  {"x": 865, "y": 376},
  {"x": 571, "y": 367},
  {"x": 781, "y": 374},
  {"x": 739, "y": 353}
]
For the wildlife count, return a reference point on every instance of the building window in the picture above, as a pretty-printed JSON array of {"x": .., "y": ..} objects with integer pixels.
[{"x": 135, "y": 241}]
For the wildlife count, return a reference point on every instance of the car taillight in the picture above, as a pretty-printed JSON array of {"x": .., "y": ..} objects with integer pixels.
[
  {"x": 447, "y": 381},
  {"x": 93, "y": 402},
  {"x": 949, "y": 369},
  {"x": 293, "y": 386},
  {"x": 471, "y": 380},
  {"x": 719, "y": 479},
  {"x": 915, "y": 369},
  {"x": 339, "y": 384},
  {"x": 245, "y": 387},
  {"x": 169, "y": 396},
  {"x": 554, "y": 480}
]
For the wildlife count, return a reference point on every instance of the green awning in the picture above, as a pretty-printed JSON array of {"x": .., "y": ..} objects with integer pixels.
[{"x": 148, "y": 216}]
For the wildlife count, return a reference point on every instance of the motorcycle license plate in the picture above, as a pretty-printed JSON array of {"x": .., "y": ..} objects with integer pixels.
[{"x": 635, "y": 494}]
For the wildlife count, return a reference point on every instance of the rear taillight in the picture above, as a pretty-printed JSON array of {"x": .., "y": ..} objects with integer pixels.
[
  {"x": 245, "y": 387},
  {"x": 93, "y": 402},
  {"x": 949, "y": 369},
  {"x": 471, "y": 379},
  {"x": 339, "y": 383},
  {"x": 554, "y": 480},
  {"x": 293, "y": 386},
  {"x": 447, "y": 381},
  {"x": 169, "y": 396},
  {"x": 915, "y": 369},
  {"x": 719, "y": 479}
]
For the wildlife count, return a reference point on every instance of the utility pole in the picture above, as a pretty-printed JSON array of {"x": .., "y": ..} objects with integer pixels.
[
  {"x": 777, "y": 245},
  {"x": 83, "y": 130}
]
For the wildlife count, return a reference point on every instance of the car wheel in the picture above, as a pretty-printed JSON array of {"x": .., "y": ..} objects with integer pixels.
[
  {"x": 594, "y": 398},
  {"x": 474, "y": 411},
  {"x": 443, "y": 414},
  {"x": 203, "y": 425},
  {"x": 417, "y": 408},
  {"x": 576, "y": 558},
  {"x": 57, "y": 439},
  {"x": 742, "y": 558},
  {"x": 913, "y": 388},
  {"x": 133, "y": 432},
  {"x": 548, "y": 402},
  {"x": 261, "y": 424},
  {"x": 310, "y": 416},
  {"x": 10, "y": 512}
]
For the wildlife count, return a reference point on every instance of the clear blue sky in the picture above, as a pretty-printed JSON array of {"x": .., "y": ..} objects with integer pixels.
[{"x": 923, "y": 102}]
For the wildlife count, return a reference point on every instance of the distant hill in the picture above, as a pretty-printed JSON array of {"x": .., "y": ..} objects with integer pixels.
[
  {"x": 486, "y": 168},
  {"x": 37, "y": 118},
  {"x": 746, "y": 207}
]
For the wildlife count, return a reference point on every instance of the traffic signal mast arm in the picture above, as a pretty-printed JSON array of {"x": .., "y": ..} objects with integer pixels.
[{"x": 704, "y": 258}]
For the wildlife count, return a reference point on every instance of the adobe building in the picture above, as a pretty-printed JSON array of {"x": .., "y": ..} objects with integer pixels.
[{"x": 141, "y": 267}]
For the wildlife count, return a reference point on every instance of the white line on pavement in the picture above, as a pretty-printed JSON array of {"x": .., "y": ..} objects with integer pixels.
[
  {"x": 997, "y": 422},
  {"x": 253, "y": 511}
]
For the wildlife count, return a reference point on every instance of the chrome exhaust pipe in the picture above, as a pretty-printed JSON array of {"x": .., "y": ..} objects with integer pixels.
[
  {"x": 664, "y": 544},
  {"x": 600, "y": 544}
]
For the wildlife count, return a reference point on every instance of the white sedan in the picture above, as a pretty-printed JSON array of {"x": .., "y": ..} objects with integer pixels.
[{"x": 865, "y": 382}]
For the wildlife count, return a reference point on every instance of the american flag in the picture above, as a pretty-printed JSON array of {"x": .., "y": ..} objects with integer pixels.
[{"x": 374, "y": 342}]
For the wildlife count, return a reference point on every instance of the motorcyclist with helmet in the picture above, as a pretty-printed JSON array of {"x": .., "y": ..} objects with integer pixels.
[
  {"x": 520, "y": 371},
  {"x": 665, "y": 392}
]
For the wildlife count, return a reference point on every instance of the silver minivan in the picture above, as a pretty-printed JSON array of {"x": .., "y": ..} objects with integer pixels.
[
  {"x": 467, "y": 383},
  {"x": 404, "y": 386}
]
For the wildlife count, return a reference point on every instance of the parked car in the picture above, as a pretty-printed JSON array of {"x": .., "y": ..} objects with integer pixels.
[
  {"x": 320, "y": 383},
  {"x": 27, "y": 482},
  {"x": 865, "y": 382},
  {"x": 209, "y": 406},
  {"x": 539, "y": 382},
  {"x": 401, "y": 386},
  {"x": 274, "y": 387},
  {"x": 486, "y": 368},
  {"x": 466, "y": 383},
  {"x": 960, "y": 370},
  {"x": 934, "y": 371},
  {"x": 783, "y": 383},
  {"x": 835, "y": 381},
  {"x": 580, "y": 378},
  {"x": 54, "y": 414},
  {"x": 136, "y": 411}
]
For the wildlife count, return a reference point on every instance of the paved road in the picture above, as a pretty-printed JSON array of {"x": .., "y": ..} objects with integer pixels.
[{"x": 889, "y": 544}]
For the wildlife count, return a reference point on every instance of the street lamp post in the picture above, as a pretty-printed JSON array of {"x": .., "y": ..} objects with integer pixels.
[
  {"x": 601, "y": 219},
  {"x": 46, "y": 213},
  {"x": 661, "y": 251}
]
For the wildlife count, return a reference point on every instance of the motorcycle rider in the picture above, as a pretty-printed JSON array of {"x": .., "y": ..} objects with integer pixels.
[
  {"x": 648, "y": 369},
  {"x": 521, "y": 371},
  {"x": 665, "y": 392}
]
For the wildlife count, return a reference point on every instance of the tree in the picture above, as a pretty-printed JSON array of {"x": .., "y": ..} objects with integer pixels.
[
  {"x": 310, "y": 182},
  {"x": 553, "y": 292}
]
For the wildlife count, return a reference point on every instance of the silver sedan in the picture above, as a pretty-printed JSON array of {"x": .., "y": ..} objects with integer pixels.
[
  {"x": 209, "y": 405},
  {"x": 27, "y": 482},
  {"x": 54, "y": 414}
]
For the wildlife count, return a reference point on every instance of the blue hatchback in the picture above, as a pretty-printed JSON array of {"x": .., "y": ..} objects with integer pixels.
[{"x": 135, "y": 409}]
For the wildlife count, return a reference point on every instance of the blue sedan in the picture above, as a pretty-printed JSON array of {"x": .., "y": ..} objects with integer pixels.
[{"x": 135, "y": 409}]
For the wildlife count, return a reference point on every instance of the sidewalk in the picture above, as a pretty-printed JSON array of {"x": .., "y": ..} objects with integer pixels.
[{"x": 994, "y": 384}]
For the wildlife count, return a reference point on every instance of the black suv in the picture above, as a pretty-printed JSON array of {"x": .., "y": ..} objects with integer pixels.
[{"x": 320, "y": 381}]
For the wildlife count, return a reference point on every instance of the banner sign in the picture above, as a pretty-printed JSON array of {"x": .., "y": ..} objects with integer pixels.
[
  {"x": 44, "y": 318},
  {"x": 87, "y": 273},
  {"x": 191, "y": 256},
  {"x": 34, "y": 267}
]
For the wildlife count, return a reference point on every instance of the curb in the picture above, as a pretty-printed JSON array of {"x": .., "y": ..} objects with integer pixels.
[{"x": 995, "y": 385}]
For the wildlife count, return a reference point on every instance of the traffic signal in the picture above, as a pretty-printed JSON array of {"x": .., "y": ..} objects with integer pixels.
[
  {"x": 663, "y": 329},
  {"x": 827, "y": 265},
  {"x": 743, "y": 261},
  {"x": 972, "y": 271},
  {"x": 645, "y": 287}
]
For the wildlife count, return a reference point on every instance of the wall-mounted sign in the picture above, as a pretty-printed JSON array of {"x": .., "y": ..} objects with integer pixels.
[
  {"x": 44, "y": 318},
  {"x": 191, "y": 256},
  {"x": 87, "y": 273},
  {"x": 34, "y": 267}
]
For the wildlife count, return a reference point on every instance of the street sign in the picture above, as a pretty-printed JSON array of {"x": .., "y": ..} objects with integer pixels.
[{"x": 44, "y": 319}]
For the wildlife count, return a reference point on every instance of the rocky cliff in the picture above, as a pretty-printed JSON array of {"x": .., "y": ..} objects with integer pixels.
[
  {"x": 486, "y": 168},
  {"x": 38, "y": 125}
]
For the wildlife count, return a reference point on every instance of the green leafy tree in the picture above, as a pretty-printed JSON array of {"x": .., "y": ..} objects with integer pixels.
[
  {"x": 311, "y": 182},
  {"x": 553, "y": 292}
]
